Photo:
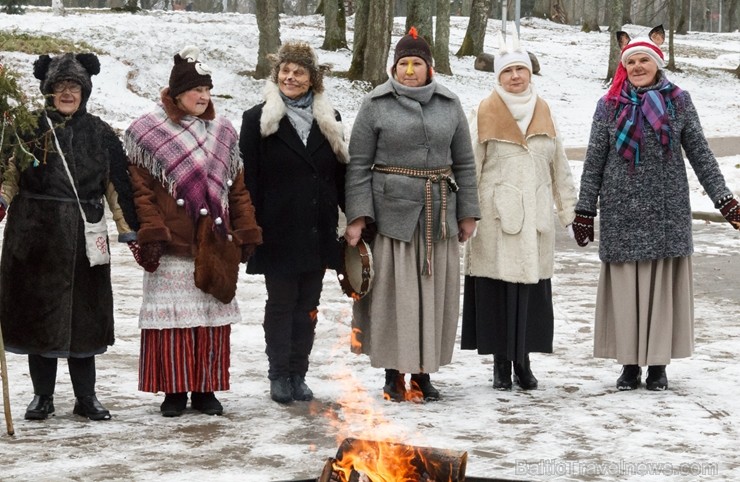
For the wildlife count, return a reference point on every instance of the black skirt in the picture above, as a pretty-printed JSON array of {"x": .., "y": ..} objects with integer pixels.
[{"x": 511, "y": 319}]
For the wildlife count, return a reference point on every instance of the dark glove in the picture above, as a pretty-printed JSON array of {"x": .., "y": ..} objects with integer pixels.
[
  {"x": 248, "y": 251},
  {"x": 369, "y": 232},
  {"x": 147, "y": 255},
  {"x": 2, "y": 211},
  {"x": 729, "y": 208},
  {"x": 583, "y": 227}
]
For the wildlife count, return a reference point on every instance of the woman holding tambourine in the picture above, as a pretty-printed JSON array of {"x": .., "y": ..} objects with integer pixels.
[{"x": 412, "y": 176}]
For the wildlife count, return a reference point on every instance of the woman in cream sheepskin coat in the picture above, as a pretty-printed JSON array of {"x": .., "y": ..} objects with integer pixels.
[{"x": 522, "y": 172}]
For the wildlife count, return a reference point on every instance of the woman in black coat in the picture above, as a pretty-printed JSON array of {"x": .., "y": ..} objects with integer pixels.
[
  {"x": 294, "y": 166},
  {"x": 53, "y": 304}
]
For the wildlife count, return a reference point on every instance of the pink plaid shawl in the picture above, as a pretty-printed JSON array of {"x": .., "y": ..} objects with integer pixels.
[{"x": 195, "y": 159}]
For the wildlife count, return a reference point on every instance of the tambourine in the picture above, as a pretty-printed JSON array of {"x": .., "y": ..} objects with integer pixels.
[{"x": 356, "y": 273}]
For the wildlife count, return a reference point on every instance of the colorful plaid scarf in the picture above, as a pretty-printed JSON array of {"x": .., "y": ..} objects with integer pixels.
[
  {"x": 638, "y": 105},
  {"x": 195, "y": 159}
]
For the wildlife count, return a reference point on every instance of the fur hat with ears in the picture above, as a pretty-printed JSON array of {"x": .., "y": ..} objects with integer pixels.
[
  {"x": 650, "y": 46},
  {"x": 509, "y": 56},
  {"x": 76, "y": 67},
  {"x": 302, "y": 54},
  {"x": 188, "y": 72}
]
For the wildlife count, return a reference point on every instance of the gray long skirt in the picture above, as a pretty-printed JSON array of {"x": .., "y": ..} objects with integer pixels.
[
  {"x": 645, "y": 311},
  {"x": 408, "y": 321}
]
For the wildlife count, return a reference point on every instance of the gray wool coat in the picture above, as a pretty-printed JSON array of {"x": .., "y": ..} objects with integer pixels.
[
  {"x": 646, "y": 214},
  {"x": 393, "y": 130}
]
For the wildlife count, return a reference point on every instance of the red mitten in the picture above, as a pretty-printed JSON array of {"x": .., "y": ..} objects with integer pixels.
[
  {"x": 729, "y": 208},
  {"x": 147, "y": 255},
  {"x": 2, "y": 211},
  {"x": 583, "y": 227}
]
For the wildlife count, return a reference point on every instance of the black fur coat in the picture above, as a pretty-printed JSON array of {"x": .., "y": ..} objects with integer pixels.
[{"x": 51, "y": 301}]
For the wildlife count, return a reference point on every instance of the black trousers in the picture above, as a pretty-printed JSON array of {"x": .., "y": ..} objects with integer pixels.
[
  {"x": 44, "y": 374},
  {"x": 290, "y": 321}
]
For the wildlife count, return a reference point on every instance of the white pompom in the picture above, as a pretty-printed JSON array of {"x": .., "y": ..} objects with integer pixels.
[
  {"x": 203, "y": 211},
  {"x": 190, "y": 53},
  {"x": 180, "y": 202},
  {"x": 218, "y": 221}
]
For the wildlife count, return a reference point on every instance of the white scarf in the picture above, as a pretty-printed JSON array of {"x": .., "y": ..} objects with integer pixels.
[{"x": 521, "y": 105}]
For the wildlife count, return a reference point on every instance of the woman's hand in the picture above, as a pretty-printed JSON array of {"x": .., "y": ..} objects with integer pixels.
[
  {"x": 354, "y": 230},
  {"x": 466, "y": 228}
]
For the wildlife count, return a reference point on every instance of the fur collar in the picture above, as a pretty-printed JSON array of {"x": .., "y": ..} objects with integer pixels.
[
  {"x": 495, "y": 122},
  {"x": 176, "y": 114},
  {"x": 274, "y": 110}
]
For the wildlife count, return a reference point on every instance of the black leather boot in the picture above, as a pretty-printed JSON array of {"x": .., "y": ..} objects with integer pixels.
[
  {"x": 89, "y": 406},
  {"x": 174, "y": 404},
  {"x": 40, "y": 407},
  {"x": 523, "y": 375},
  {"x": 280, "y": 390},
  {"x": 206, "y": 402},
  {"x": 501, "y": 373},
  {"x": 422, "y": 382},
  {"x": 300, "y": 389},
  {"x": 395, "y": 386},
  {"x": 630, "y": 377},
  {"x": 656, "y": 378}
]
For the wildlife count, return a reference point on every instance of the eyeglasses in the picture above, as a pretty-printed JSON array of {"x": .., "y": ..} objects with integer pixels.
[{"x": 73, "y": 87}]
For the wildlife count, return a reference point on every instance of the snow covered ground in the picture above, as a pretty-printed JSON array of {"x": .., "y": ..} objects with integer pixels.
[{"x": 576, "y": 426}]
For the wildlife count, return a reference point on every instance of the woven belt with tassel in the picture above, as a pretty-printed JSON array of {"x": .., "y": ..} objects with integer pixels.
[{"x": 432, "y": 176}]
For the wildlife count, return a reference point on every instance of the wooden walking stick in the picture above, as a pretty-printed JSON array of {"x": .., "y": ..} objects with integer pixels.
[{"x": 6, "y": 395}]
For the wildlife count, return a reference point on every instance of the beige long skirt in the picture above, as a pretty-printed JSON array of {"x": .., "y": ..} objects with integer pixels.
[
  {"x": 645, "y": 311},
  {"x": 408, "y": 321}
]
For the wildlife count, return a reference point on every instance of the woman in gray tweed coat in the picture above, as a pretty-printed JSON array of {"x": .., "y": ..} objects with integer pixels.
[
  {"x": 635, "y": 170},
  {"x": 411, "y": 176}
]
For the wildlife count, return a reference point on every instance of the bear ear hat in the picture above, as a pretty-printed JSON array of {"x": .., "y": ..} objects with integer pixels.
[
  {"x": 90, "y": 62},
  {"x": 41, "y": 66}
]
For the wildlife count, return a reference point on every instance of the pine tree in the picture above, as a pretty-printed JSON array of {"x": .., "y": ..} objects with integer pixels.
[{"x": 17, "y": 122}]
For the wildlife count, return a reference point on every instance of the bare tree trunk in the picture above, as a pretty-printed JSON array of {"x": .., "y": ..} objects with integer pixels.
[
  {"x": 442, "y": 39},
  {"x": 57, "y": 7},
  {"x": 672, "y": 22},
  {"x": 476, "y": 32},
  {"x": 541, "y": 9},
  {"x": 268, "y": 23},
  {"x": 626, "y": 11},
  {"x": 419, "y": 15},
  {"x": 590, "y": 17},
  {"x": 682, "y": 26},
  {"x": 732, "y": 16},
  {"x": 373, "y": 23},
  {"x": 615, "y": 24},
  {"x": 335, "y": 37}
]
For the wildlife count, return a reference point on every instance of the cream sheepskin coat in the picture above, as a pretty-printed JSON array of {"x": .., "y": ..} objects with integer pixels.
[{"x": 520, "y": 178}]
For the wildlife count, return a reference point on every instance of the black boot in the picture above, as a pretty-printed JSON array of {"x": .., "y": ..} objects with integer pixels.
[
  {"x": 280, "y": 390},
  {"x": 40, "y": 407},
  {"x": 89, "y": 406},
  {"x": 422, "y": 382},
  {"x": 300, "y": 389},
  {"x": 523, "y": 375},
  {"x": 630, "y": 377},
  {"x": 656, "y": 378},
  {"x": 395, "y": 386},
  {"x": 206, "y": 402},
  {"x": 501, "y": 373},
  {"x": 174, "y": 404}
]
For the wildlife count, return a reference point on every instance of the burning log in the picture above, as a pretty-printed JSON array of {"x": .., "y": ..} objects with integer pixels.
[{"x": 373, "y": 461}]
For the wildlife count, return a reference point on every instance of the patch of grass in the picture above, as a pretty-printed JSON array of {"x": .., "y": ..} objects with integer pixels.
[{"x": 11, "y": 41}]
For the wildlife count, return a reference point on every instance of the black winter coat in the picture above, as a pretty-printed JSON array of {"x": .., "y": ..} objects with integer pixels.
[
  {"x": 297, "y": 192},
  {"x": 51, "y": 301}
]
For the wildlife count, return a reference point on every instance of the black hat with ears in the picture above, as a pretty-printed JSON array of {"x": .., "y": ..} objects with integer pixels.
[{"x": 76, "y": 67}]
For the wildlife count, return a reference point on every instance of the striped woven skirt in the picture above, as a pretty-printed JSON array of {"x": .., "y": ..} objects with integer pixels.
[{"x": 185, "y": 359}]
